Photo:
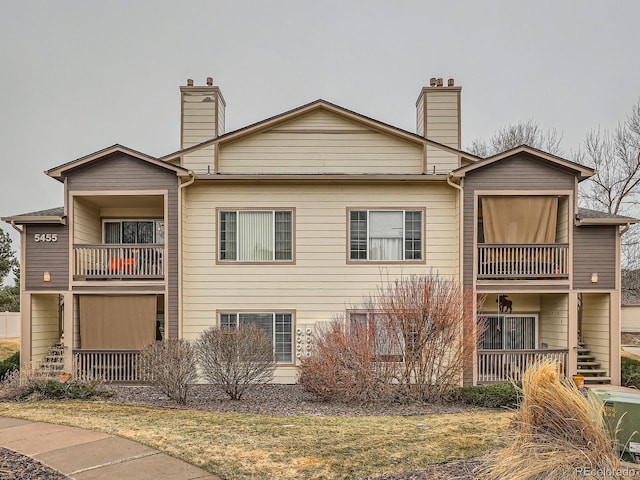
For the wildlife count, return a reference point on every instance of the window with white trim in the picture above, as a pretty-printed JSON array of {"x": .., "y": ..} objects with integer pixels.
[
  {"x": 386, "y": 235},
  {"x": 381, "y": 335},
  {"x": 256, "y": 235},
  {"x": 277, "y": 326}
]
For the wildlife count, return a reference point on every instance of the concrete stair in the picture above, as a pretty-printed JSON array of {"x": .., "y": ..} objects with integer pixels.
[{"x": 589, "y": 367}]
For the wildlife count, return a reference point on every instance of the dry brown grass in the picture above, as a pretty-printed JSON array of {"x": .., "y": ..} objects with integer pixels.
[
  {"x": 558, "y": 435},
  {"x": 257, "y": 447},
  {"x": 8, "y": 346}
]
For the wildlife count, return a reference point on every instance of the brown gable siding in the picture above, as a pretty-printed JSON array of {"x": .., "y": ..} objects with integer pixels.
[
  {"x": 46, "y": 256},
  {"x": 522, "y": 172},
  {"x": 594, "y": 252},
  {"x": 123, "y": 172}
]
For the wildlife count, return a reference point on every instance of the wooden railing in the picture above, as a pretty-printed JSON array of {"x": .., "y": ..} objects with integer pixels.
[
  {"x": 523, "y": 261},
  {"x": 108, "y": 261},
  {"x": 509, "y": 365},
  {"x": 107, "y": 366}
]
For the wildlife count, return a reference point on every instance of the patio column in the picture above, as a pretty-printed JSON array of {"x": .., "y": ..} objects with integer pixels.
[
  {"x": 572, "y": 360},
  {"x": 67, "y": 327},
  {"x": 614, "y": 337}
]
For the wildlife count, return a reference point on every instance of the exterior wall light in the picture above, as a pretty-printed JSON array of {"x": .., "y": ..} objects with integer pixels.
[
  {"x": 46, "y": 276},
  {"x": 594, "y": 278}
]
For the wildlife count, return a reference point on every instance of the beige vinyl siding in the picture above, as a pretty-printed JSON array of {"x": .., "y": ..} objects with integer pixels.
[
  {"x": 201, "y": 160},
  {"x": 198, "y": 118},
  {"x": 440, "y": 161},
  {"x": 553, "y": 321},
  {"x": 595, "y": 326},
  {"x": 320, "y": 142},
  {"x": 320, "y": 284},
  {"x": 420, "y": 117},
  {"x": 442, "y": 117},
  {"x": 221, "y": 117},
  {"x": 44, "y": 325},
  {"x": 630, "y": 318},
  {"x": 562, "y": 227},
  {"x": 87, "y": 227}
]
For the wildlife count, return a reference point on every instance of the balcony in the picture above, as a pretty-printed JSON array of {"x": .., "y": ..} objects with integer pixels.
[
  {"x": 118, "y": 262},
  {"x": 108, "y": 366},
  {"x": 523, "y": 261},
  {"x": 495, "y": 366}
]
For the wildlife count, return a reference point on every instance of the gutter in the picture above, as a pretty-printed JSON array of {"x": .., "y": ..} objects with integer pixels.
[
  {"x": 182, "y": 186},
  {"x": 18, "y": 229}
]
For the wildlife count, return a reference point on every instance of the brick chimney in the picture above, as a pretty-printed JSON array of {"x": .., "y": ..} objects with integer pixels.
[
  {"x": 202, "y": 113},
  {"x": 438, "y": 112}
]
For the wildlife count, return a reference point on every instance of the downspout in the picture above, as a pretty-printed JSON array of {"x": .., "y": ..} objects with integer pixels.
[
  {"x": 461, "y": 271},
  {"x": 192, "y": 178},
  {"x": 13, "y": 224}
]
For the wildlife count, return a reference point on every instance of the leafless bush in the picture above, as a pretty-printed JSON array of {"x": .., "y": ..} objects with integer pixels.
[
  {"x": 10, "y": 386},
  {"x": 410, "y": 342},
  {"x": 430, "y": 319},
  {"x": 235, "y": 359},
  {"x": 346, "y": 366},
  {"x": 170, "y": 366}
]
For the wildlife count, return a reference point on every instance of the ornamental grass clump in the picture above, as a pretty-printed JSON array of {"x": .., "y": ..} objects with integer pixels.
[{"x": 558, "y": 434}]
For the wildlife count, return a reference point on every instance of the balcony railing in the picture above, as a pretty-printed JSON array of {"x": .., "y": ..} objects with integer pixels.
[
  {"x": 496, "y": 366},
  {"x": 114, "y": 261},
  {"x": 107, "y": 366},
  {"x": 524, "y": 261}
]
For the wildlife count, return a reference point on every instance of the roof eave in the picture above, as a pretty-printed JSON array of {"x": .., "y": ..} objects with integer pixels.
[
  {"x": 24, "y": 220},
  {"x": 60, "y": 171}
]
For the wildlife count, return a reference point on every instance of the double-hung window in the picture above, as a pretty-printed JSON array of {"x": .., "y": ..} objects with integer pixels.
[
  {"x": 380, "y": 334},
  {"x": 256, "y": 235},
  {"x": 386, "y": 235},
  {"x": 277, "y": 326}
]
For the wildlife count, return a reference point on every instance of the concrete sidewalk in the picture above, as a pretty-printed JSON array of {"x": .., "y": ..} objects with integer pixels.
[{"x": 84, "y": 454}]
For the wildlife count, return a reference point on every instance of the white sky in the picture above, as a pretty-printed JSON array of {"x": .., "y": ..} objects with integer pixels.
[{"x": 78, "y": 76}]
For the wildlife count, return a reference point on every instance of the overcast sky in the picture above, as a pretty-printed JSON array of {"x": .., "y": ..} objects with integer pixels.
[{"x": 78, "y": 76}]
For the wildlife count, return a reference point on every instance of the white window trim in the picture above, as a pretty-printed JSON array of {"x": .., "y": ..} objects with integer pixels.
[
  {"x": 404, "y": 237},
  {"x": 237, "y": 243},
  {"x": 273, "y": 338}
]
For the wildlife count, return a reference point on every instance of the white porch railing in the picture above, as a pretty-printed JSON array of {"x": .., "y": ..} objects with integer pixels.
[
  {"x": 107, "y": 366},
  {"x": 496, "y": 366},
  {"x": 523, "y": 261},
  {"x": 131, "y": 261}
]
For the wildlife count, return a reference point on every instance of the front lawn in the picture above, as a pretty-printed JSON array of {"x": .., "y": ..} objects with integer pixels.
[{"x": 243, "y": 446}]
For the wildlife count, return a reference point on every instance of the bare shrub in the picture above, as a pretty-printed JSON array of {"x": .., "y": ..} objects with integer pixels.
[
  {"x": 10, "y": 386},
  {"x": 235, "y": 359},
  {"x": 559, "y": 434},
  {"x": 345, "y": 364},
  {"x": 170, "y": 367},
  {"x": 430, "y": 320},
  {"x": 410, "y": 342}
]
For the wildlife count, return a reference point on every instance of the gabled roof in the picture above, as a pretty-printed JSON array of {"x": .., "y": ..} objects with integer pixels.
[
  {"x": 593, "y": 217},
  {"x": 583, "y": 171},
  {"x": 313, "y": 106},
  {"x": 61, "y": 171},
  {"x": 51, "y": 215}
]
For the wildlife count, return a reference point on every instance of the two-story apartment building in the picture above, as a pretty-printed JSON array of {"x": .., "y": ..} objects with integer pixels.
[{"x": 291, "y": 221}]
